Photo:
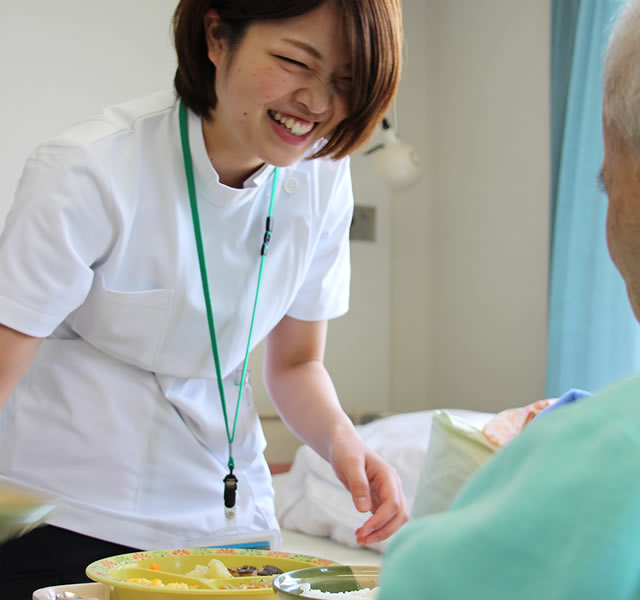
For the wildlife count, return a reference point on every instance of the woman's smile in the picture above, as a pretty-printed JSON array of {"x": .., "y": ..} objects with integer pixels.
[{"x": 290, "y": 128}]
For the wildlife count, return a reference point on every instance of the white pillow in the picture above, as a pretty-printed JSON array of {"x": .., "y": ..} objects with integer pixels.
[{"x": 311, "y": 499}]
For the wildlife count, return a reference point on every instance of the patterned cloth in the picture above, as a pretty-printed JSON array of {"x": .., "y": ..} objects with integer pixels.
[{"x": 507, "y": 424}]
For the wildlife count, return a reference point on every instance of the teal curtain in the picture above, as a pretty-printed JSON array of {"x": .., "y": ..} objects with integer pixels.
[{"x": 593, "y": 337}]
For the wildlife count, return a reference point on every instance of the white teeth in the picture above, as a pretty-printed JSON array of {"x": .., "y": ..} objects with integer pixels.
[{"x": 292, "y": 125}]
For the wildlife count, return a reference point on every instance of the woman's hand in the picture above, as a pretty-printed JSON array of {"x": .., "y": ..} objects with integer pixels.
[{"x": 374, "y": 486}]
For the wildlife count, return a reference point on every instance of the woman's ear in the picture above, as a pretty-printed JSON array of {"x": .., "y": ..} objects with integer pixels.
[{"x": 215, "y": 44}]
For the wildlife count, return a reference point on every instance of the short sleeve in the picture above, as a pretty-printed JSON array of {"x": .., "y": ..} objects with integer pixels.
[
  {"x": 324, "y": 293},
  {"x": 58, "y": 227}
]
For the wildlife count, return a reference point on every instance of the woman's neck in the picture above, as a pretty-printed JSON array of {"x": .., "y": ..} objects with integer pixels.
[{"x": 231, "y": 172}]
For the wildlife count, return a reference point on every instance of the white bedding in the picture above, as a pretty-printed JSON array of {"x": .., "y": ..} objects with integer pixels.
[{"x": 310, "y": 498}]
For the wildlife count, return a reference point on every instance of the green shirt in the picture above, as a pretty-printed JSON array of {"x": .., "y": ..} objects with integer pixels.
[{"x": 555, "y": 514}]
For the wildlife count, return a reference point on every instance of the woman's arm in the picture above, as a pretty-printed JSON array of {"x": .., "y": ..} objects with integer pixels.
[
  {"x": 303, "y": 393},
  {"x": 16, "y": 353}
]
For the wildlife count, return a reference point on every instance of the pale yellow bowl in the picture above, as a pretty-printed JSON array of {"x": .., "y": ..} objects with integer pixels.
[{"x": 171, "y": 566}]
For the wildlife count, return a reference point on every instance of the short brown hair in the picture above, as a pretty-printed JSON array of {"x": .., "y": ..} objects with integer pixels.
[{"x": 374, "y": 30}]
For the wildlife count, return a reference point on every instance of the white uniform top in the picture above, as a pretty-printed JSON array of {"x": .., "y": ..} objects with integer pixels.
[{"x": 119, "y": 413}]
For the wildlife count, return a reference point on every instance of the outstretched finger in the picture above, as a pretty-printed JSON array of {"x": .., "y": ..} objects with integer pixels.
[
  {"x": 389, "y": 516},
  {"x": 367, "y": 536}
]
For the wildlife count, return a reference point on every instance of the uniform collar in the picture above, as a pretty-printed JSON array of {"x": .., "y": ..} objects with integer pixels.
[{"x": 208, "y": 183}]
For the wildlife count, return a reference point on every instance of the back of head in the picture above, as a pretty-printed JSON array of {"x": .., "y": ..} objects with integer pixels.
[
  {"x": 374, "y": 30},
  {"x": 621, "y": 76}
]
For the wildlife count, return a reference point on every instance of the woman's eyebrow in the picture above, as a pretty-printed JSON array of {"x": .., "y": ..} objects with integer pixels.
[{"x": 305, "y": 47}]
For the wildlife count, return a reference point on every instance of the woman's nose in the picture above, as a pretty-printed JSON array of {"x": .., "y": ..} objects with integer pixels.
[{"x": 317, "y": 96}]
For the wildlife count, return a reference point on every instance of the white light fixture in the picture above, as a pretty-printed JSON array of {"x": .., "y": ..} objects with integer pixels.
[{"x": 397, "y": 163}]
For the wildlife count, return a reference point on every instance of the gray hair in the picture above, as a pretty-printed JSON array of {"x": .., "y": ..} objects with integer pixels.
[{"x": 621, "y": 75}]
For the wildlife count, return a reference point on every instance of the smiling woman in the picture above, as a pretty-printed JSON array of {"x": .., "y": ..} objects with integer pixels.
[
  {"x": 127, "y": 231},
  {"x": 373, "y": 43}
]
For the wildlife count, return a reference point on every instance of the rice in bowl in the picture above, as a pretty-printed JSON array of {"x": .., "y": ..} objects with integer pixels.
[{"x": 363, "y": 594}]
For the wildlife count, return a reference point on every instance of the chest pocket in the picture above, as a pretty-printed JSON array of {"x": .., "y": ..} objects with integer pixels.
[{"x": 129, "y": 326}]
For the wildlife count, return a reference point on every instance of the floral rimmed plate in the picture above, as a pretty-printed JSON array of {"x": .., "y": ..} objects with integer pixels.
[{"x": 170, "y": 567}]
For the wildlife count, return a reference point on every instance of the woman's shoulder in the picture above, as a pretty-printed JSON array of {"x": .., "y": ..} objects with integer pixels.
[
  {"x": 93, "y": 154},
  {"x": 101, "y": 142},
  {"x": 112, "y": 123},
  {"x": 121, "y": 119}
]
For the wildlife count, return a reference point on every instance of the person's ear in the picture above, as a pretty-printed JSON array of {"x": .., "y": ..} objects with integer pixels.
[{"x": 215, "y": 44}]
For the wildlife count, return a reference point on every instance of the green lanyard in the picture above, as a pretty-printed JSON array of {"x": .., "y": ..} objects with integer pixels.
[{"x": 230, "y": 480}]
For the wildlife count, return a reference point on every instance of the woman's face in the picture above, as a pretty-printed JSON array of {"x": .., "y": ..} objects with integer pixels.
[{"x": 283, "y": 88}]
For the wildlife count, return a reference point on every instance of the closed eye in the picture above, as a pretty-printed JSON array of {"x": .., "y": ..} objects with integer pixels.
[
  {"x": 291, "y": 61},
  {"x": 344, "y": 83}
]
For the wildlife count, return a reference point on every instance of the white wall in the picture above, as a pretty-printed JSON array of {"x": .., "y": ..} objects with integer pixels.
[
  {"x": 63, "y": 61},
  {"x": 449, "y": 304},
  {"x": 470, "y": 245}
]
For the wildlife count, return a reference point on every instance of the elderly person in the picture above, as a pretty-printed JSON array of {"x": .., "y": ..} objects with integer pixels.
[{"x": 556, "y": 513}]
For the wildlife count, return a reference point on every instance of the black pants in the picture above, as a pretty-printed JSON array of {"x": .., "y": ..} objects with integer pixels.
[{"x": 49, "y": 556}]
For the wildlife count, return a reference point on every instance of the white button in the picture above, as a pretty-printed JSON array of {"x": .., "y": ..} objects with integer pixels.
[{"x": 291, "y": 185}]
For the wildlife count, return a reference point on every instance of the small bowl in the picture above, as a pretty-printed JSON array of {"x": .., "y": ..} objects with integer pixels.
[{"x": 333, "y": 579}]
